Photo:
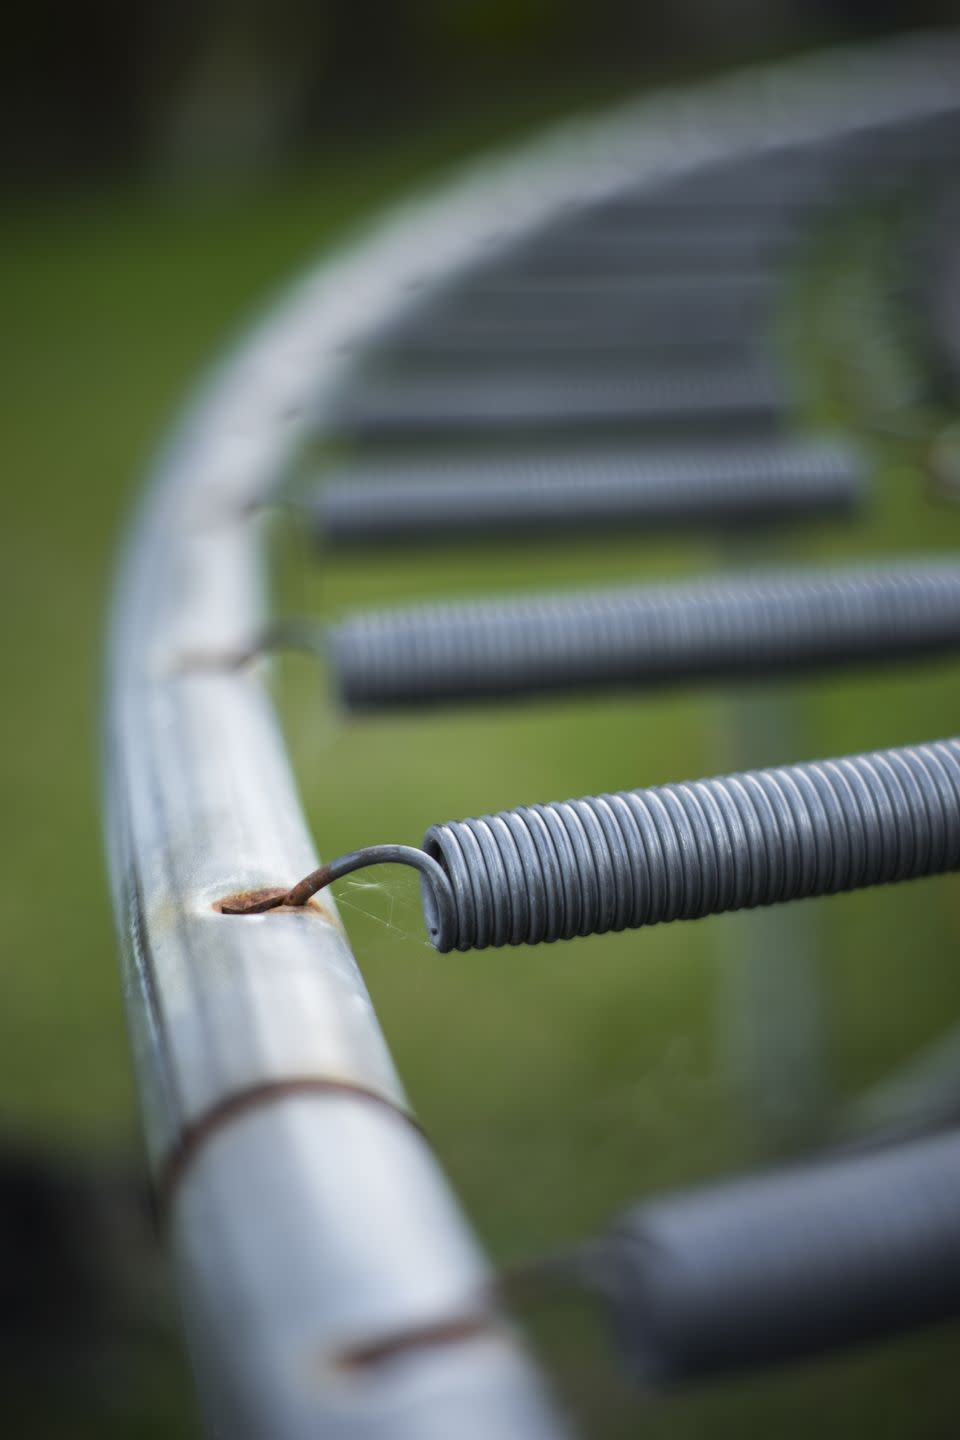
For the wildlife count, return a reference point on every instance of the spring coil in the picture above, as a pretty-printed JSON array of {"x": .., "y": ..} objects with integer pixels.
[
  {"x": 668, "y": 250},
  {"x": 678, "y": 852},
  {"x": 559, "y": 489},
  {"x": 788, "y": 1264},
  {"x": 698, "y": 307},
  {"x": 754, "y": 624},
  {"x": 435, "y": 403}
]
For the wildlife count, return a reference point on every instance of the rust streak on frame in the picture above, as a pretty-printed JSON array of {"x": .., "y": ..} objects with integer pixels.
[
  {"x": 454, "y": 1331},
  {"x": 194, "y": 1137},
  {"x": 273, "y": 899}
]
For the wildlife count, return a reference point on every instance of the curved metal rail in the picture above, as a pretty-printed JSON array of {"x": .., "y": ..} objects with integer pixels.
[{"x": 305, "y": 1210}]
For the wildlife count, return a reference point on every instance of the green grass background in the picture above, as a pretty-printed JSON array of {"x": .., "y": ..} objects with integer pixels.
[{"x": 556, "y": 1084}]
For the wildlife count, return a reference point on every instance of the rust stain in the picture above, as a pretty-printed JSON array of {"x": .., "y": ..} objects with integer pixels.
[
  {"x": 194, "y": 1136},
  {"x": 228, "y": 661},
  {"x": 269, "y": 899},
  {"x": 250, "y": 902},
  {"x": 371, "y": 1354}
]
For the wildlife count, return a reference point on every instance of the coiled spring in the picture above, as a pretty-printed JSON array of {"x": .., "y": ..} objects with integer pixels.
[
  {"x": 674, "y": 852},
  {"x": 430, "y": 404},
  {"x": 700, "y": 309},
  {"x": 555, "y": 490},
  {"x": 678, "y": 852},
  {"x": 753, "y": 624},
  {"x": 797, "y": 1261}
]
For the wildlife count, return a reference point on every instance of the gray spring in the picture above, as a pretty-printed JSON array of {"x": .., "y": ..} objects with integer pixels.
[
  {"x": 688, "y": 342},
  {"x": 788, "y": 1264},
  {"x": 678, "y": 852},
  {"x": 752, "y": 625},
  {"x": 669, "y": 251},
  {"x": 440, "y": 403},
  {"x": 539, "y": 493},
  {"x": 495, "y": 298},
  {"x": 698, "y": 310}
]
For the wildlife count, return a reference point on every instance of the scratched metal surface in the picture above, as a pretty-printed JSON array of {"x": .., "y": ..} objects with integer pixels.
[{"x": 306, "y": 1214}]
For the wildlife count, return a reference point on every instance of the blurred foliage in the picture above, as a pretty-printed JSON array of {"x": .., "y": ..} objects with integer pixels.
[{"x": 206, "y": 85}]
